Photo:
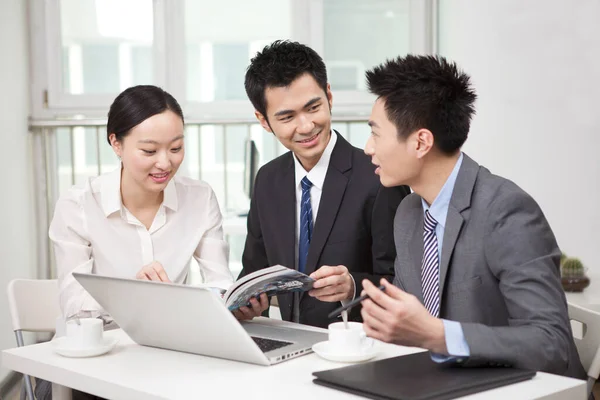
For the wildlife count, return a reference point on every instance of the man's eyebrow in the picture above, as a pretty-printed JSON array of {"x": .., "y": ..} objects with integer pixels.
[
  {"x": 373, "y": 124},
  {"x": 311, "y": 102},
  {"x": 308, "y": 104},
  {"x": 283, "y": 112}
]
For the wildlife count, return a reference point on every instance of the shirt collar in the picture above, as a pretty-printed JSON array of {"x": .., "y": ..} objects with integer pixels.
[
  {"x": 111, "y": 193},
  {"x": 317, "y": 174},
  {"x": 170, "y": 195},
  {"x": 439, "y": 207},
  {"x": 110, "y": 190}
]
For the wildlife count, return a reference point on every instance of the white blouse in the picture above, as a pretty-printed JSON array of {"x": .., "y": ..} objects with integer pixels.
[{"x": 93, "y": 232}]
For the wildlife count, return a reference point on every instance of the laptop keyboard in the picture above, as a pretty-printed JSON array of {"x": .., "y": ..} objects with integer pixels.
[{"x": 267, "y": 345}]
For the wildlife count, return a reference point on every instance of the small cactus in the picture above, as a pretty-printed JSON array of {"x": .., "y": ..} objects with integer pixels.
[
  {"x": 563, "y": 257},
  {"x": 572, "y": 267}
]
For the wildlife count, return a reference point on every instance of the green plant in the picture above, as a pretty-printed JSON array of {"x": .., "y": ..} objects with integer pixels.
[
  {"x": 572, "y": 267},
  {"x": 563, "y": 257}
]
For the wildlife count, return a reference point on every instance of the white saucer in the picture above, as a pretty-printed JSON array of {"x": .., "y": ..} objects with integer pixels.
[
  {"x": 323, "y": 350},
  {"x": 64, "y": 348}
]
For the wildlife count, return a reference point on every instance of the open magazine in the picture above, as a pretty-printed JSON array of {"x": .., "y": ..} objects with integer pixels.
[{"x": 272, "y": 281}]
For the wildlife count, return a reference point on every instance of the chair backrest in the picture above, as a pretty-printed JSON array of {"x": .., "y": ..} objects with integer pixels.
[
  {"x": 33, "y": 304},
  {"x": 585, "y": 324}
]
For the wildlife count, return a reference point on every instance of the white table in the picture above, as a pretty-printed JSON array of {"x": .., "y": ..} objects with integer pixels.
[{"x": 134, "y": 372}]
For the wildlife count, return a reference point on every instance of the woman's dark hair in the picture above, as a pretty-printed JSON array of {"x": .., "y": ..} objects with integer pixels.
[{"x": 135, "y": 105}]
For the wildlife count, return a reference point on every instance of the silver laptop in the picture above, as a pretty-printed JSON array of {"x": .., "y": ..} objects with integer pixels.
[{"x": 193, "y": 320}]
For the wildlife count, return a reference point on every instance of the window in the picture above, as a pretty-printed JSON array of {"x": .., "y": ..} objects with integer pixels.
[
  {"x": 106, "y": 45},
  {"x": 86, "y": 51},
  {"x": 359, "y": 35},
  {"x": 220, "y": 39}
]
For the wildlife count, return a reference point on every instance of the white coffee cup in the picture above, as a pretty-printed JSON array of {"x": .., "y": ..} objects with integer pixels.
[
  {"x": 350, "y": 340},
  {"x": 88, "y": 333}
]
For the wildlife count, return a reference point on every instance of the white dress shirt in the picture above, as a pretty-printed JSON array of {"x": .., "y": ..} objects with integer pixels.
[{"x": 93, "y": 232}]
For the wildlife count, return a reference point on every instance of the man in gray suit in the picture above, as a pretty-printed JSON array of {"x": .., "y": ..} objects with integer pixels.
[{"x": 477, "y": 266}]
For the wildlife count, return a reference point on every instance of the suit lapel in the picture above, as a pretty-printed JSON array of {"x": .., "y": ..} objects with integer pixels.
[
  {"x": 334, "y": 188},
  {"x": 454, "y": 222},
  {"x": 459, "y": 202},
  {"x": 331, "y": 198},
  {"x": 412, "y": 282}
]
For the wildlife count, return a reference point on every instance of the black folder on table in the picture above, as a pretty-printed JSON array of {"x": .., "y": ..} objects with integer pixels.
[{"x": 417, "y": 377}]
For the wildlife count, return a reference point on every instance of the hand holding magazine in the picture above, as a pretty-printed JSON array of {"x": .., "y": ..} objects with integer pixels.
[{"x": 272, "y": 281}]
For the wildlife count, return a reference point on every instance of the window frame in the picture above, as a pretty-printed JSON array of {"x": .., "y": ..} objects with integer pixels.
[{"x": 48, "y": 100}]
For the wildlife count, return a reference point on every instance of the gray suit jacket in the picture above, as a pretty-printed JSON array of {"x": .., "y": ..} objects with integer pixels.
[{"x": 499, "y": 273}]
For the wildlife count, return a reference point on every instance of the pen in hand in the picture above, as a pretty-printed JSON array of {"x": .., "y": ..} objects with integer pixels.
[{"x": 354, "y": 302}]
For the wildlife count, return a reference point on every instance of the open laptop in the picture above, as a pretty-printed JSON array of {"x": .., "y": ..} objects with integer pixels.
[{"x": 193, "y": 320}]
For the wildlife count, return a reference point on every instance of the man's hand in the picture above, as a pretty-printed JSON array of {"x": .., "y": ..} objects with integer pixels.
[
  {"x": 395, "y": 316},
  {"x": 153, "y": 272},
  {"x": 255, "y": 310},
  {"x": 332, "y": 284}
]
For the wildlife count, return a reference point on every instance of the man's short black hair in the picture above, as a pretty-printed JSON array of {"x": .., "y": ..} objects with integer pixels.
[
  {"x": 278, "y": 65},
  {"x": 426, "y": 92}
]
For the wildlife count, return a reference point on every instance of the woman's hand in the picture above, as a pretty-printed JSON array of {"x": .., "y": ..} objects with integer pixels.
[{"x": 153, "y": 272}]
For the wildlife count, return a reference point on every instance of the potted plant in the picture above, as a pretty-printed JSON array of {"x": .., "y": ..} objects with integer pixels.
[{"x": 573, "y": 276}]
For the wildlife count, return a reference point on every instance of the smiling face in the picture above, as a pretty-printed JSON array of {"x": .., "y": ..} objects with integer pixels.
[
  {"x": 151, "y": 152},
  {"x": 299, "y": 115},
  {"x": 398, "y": 160}
]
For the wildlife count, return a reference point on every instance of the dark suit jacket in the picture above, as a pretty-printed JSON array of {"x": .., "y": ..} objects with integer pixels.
[
  {"x": 353, "y": 225},
  {"x": 499, "y": 273}
]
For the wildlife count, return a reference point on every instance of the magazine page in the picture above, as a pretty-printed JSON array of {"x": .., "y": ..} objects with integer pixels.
[
  {"x": 254, "y": 275},
  {"x": 279, "y": 281}
]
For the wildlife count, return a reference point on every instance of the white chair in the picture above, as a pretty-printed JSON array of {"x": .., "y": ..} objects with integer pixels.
[
  {"x": 34, "y": 308},
  {"x": 585, "y": 324}
]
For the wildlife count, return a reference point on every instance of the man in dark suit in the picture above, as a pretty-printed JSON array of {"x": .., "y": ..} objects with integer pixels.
[
  {"x": 477, "y": 271},
  {"x": 318, "y": 208}
]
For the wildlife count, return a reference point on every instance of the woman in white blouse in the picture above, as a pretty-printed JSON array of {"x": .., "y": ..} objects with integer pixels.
[{"x": 140, "y": 221}]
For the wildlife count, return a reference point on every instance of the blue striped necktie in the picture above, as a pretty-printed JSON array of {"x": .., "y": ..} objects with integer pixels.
[
  {"x": 306, "y": 224},
  {"x": 430, "y": 268}
]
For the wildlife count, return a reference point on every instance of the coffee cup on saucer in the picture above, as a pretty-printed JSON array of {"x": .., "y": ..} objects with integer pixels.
[
  {"x": 84, "y": 337},
  {"x": 348, "y": 338},
  {"x": 348, "y": 343},
  {"x": 84, "y": 333}
]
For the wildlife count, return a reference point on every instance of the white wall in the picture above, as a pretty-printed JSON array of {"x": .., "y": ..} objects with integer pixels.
[
  {"x": 536, "y": 67},
  {"x": 17, "y": 238}
]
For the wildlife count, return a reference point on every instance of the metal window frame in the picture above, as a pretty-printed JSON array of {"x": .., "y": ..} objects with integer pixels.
[{"x": 48, "y": 100}]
